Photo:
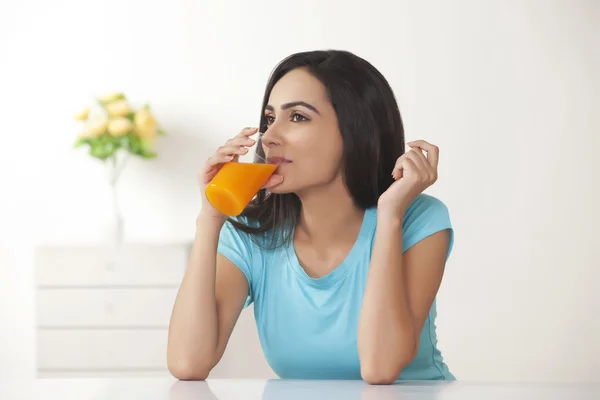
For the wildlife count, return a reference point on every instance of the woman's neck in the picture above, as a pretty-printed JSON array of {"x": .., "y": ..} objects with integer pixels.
[{"x": 328, "y": 214}]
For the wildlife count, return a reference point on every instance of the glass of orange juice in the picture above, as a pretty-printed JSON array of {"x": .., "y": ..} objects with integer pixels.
[{"x": 236, "y": 184}]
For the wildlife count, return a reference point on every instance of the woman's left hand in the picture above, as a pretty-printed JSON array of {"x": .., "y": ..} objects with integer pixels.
[{"x": 414, "y": 172}]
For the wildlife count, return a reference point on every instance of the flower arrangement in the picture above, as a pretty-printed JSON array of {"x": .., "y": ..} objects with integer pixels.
[
  {"x": 116, "y": 125},
  {"x": 114, "y": 131}
]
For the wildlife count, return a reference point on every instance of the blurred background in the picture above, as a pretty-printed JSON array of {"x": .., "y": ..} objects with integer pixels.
[{"x": 509, "y": 90}]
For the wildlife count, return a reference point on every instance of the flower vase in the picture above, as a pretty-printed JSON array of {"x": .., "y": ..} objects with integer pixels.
[
  {"x": 115, "y": 167},
  {"x": 117, "y": 223}
]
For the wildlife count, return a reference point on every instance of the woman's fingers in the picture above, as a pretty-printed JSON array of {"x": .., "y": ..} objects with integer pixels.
[
  {"x": 433, "y": 152},
  {"x": 418, "y": 158},
  {"x": 424, "y": 169},
  {"x": 240, "y": 141},
  {"x": 403, "y": 165},
  {"x": 219, "y": 158},
  {"x": 246, "y": 132},
  {"x": 234, "y": 147},
  {"x": 230, "y": 151}
]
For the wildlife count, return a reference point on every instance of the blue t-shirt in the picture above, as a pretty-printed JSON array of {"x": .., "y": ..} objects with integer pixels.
[{"x": 307, "y": 327}]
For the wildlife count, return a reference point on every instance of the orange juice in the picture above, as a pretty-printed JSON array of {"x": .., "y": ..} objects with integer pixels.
[{"x": 236, "y": 184}]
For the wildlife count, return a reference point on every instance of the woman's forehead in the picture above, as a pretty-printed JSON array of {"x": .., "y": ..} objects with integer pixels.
[{"x": 297, "y": 85}]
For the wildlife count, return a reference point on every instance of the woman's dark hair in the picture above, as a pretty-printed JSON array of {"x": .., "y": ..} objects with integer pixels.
[{"x": 372, "y": 133}]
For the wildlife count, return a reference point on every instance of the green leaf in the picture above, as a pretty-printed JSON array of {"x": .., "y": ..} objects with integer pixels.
[
  {"x": 80, "y": 142},
  {"x": 130, "y": 117},
  {"x": 148, "y": 154},
  {"x": 134, "y": 144},
  {"x": 103, "y": 147},
  {"x": 101, "y": 104},
  {"x": 124, "y": 142},
  {"x": 116, "y": 145},
  {"x": 97, "y": 150},
  {"x": 147, "y": 144},
  {"x": 161, "y": 132}
]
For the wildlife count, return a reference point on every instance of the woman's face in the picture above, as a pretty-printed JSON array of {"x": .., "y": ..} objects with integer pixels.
[{"x": 302, "y": 128}]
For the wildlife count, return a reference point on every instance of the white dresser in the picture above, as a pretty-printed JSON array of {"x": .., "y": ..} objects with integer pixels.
[{"x": 104, "y": 315}]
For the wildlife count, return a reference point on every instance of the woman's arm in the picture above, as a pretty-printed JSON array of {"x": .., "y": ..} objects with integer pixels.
[
  {"x": 399, "y": 293},
  {"x": 400, "y": 288},
  {"x": 207, "y": 306}
]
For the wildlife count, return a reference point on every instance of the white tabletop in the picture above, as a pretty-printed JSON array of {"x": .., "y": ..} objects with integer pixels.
[{"x": 169, "y": 389}]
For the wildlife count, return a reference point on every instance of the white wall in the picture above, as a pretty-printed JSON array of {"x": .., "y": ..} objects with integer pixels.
[{"x": 507, "y": 89}]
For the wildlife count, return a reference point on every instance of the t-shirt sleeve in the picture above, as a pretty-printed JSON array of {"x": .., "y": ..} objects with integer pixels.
[
  {"x": 236, "y": 246},
  {"x": 425, "y": 216}
]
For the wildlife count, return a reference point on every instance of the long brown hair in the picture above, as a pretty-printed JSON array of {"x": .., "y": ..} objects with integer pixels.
[{"x": 372, "y": 133}]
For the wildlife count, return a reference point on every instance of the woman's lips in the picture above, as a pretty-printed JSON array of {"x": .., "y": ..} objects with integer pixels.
[{"x": 278, "y": 160}]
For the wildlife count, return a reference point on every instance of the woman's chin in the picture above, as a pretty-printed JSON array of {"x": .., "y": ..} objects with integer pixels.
[{"x": 280, "y": 188}]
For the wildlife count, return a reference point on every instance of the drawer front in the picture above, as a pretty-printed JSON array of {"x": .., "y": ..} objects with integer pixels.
[
  {"x": 97, "y": 266},
  {"x": 83, "y": 308},
  {"x": 102, "y": 349}
]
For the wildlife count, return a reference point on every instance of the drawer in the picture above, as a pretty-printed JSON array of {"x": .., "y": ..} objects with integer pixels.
[
  {"x": 138, "y": 307},
  {"x": 134, "y": 265},
  {"x": 101, "y": 349}
]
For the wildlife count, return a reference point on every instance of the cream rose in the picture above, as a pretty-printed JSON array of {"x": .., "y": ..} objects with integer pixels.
[
  {"x": 145, "y": 124},
  {"x": 118, "y": 108},
  {"x": 119, "y": 126},
  {"x": 83, "y": 114},
  {"x": 95, "y": 127}
]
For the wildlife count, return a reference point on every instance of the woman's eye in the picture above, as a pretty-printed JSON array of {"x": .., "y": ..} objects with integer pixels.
[
  {"x": 269, "y": 119},
  {"x": 298, "y": 118}
]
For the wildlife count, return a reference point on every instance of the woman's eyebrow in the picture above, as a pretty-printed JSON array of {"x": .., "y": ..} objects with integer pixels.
[{"x": 293, "y": 104}]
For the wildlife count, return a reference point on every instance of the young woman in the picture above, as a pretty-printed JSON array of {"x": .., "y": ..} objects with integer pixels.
[{"x": 341, "y": 253}]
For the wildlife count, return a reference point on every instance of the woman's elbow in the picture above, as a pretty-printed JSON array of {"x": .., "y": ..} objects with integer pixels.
[
  {"x": 379, "y": 376},
  {"x": 186, "y": 371},
  {"x": 385, "y": 371},
  {"x": 188, "y": 374}
]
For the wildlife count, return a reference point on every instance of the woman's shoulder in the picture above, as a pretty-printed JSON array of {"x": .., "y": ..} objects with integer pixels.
[
  {"x": 235, "y": 227},
  {"x": 247, "y": 231},
  {"x": 426, "y": 205}
]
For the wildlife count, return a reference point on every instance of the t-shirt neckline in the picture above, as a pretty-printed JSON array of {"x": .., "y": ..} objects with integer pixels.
[{"x": 364, "y": 235}]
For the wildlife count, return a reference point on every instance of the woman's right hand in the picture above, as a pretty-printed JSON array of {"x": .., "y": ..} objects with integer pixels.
[{"x": 230, "y": 151}]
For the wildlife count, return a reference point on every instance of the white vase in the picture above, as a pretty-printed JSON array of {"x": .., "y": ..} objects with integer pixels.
[
  {"x": 117, "y": 222},
  {"x": 115, "y": 167}
]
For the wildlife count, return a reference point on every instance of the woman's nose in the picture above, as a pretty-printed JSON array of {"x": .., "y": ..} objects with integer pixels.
[{"x": 271, "y": 138}]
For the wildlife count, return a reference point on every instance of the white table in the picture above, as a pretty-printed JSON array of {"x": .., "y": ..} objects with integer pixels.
[{"x": 170, "y": 389}]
